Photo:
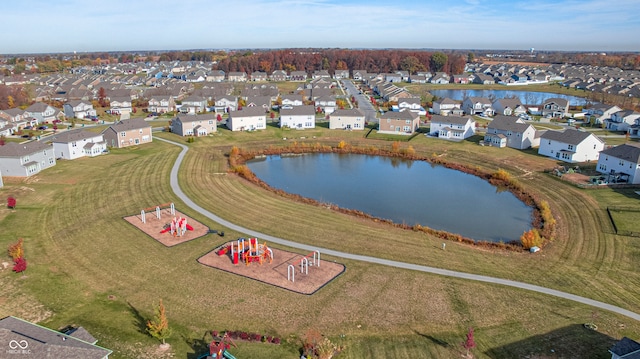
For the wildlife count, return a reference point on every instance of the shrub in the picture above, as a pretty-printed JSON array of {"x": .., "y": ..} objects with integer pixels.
[
  {"x": 275, "y": 341},
  {"x": 16, "y": 250},
  {"x": 20, "y": 265},
  {"x": 531, "y": 239}
]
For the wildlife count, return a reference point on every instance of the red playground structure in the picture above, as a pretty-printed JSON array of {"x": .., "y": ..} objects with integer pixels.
[
  {"x": 247, "y": 250},
  {"x": 218, "y": 348}
]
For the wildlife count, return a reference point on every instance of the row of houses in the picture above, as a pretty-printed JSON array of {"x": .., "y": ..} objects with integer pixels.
[{"x": 29, "y": 158}]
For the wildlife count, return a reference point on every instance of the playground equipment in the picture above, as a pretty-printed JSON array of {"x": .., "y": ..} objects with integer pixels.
[
  {"x": 247, "y": 250},
  {"x": 178, "y": 227},
  {"x": 218, "y": 348},
  {"x": 304, "y": 265},
  {"x": 157, "y": 209}
]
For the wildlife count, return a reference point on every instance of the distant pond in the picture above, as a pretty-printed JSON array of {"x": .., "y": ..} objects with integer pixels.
[
  {"x": 404, "y": 191},
  {"x": 526, "y": 97}
]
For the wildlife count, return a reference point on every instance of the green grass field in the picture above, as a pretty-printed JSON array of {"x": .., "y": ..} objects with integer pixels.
[{"x": 89, "y": 267}]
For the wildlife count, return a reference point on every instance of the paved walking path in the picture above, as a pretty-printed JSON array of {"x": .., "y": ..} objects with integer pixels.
[{"x": 481, "y": 278}]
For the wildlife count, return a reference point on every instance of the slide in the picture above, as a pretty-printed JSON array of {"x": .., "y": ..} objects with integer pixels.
[{"x": 227, "y": 355}]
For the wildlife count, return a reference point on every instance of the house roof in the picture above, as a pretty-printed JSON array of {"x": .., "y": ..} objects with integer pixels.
[
  {"x": 559, "y": 101},
  {"x": 14, "y": 149},
  {"x": 410, "y": 100},
  {"x": 250, "y": 111},
  {"x": 348, "y": 112},
  {"x": 625, "y": 347},
  {"x": 128, "y": 125},
  {"x": 44, "y": 342},
  {"x": 193, "y": 118},
  {"x": 508, "y": 123},
  {"x": 568, "y": 136},
  {"x": 74, "y": 135},
  {"x": 627, "y": 152},
  {"x": 306, "y": 110},
  {"x": 401, "y": 115},
  {"x": 37, "y": 107},
  {"x": 458, "y": 120}
]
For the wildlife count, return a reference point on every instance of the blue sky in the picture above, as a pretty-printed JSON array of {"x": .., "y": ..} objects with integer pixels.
[{"x": 37, "y": 26}]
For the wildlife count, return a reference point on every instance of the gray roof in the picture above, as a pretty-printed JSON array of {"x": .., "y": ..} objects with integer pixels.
[
  {"x": 401, "y": 115},
  {"x": 568, "y": 136},
  {"x": 349, "y": 112},
  {"x": 193, "y": 118},
  {"x": 74, "y": 135},
  {"x": 560, "y": 101},
  {"x": 128, "y": 125},
  {"x": 46, "y": 343},
  {"x": 627, "y": 152},
  {"x": 251, "y": 111},
  {"x": 508, "y": 123},
  {"x": 305, "y": 110},
  {"x": 37, "y": 107},
  {"x": 625, "y": 347},
  {"x": 14, "y": 149},
  {"x": 458, "y": 120}
]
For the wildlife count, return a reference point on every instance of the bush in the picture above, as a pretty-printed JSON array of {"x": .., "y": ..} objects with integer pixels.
[{"x": 20, "y": 265}]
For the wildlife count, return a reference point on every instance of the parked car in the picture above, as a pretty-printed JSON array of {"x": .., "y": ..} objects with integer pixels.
[
  {"x": 28, "y": 127},
  {"x": 42, "y": 128}
]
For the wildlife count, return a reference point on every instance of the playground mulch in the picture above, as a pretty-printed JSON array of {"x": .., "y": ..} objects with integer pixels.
[
  {"x": 154, "y": 226},
  {"x": 275, "y": 273}
]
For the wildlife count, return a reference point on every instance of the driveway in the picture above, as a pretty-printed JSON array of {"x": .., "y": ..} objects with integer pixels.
[
  {"x": 175, "y": 186},
  {"x": 363, "y": 101}
]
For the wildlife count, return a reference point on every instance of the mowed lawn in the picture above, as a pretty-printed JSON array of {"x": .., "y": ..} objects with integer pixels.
[{"x": 89, "y": 267}]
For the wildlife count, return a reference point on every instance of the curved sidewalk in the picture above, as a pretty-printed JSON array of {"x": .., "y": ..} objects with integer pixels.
[{"x": 481, "y": 278}]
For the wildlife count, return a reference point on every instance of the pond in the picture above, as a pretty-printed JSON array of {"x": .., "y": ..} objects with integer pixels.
[
  {"x": 404, "y": 191},
  {"x": 526, "y": 97}
]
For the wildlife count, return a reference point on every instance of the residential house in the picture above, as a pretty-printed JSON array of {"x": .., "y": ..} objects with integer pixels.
[
  {"x": 555, "y": 107},
  {"x": 599, "y": 113},
  {"x": 509, "y": 107},
  {"x": 347, "y": 119},
  {"x": 571, "y": 145},
  {"x": 42, "y": 112},
  {"x": 634, "y": 130},
  {"x": 298, "y": 76},
  {"x": 79, "y": 109},
  {"x": 477, "y": 106},
  {"x": 440, "y": 78},
  {"x": 247, "y": 119},
  {"x": 288, "y": 101},
  {"x": 412, "y": 104},
  {"x": 341, "y": 74},
  {"x": 321, "y": 74},
  {"x": 395, "y": 77},
  {"x": 622, "y": 120},
  {"x": 15, "y": 119},
  {"x": 298, "y": 117},
  {"x": 194, "y": 104},
  {"x": 460, "y": 79},
  {"x": 194, "y": 125},
  {"x": 483, "y": 79},
  {"x": 25, "y": 159},
  {"x": 621, "y": 163},
  {"x": 35, "y": 341},
  {"x": 161, "y": 104},
  {"x": 625, "y": 349},
  {"x": 402, "y": 122},
  {"x": 258, "y": 76},
  {"x": 418, "y": 79},
  {"x": 446, "y": 107},
  {"x": 237, "y": 76},
  {"x": 326, "y": 103},
  {"x": 225, "y": 104},
  {"x": 452, "y": 127},
  {"x": 125, "y": 133},
  {"x": 74, "y": 144},
  {"x": 508, "y": 131},
  {"x": 359, "y": 75},
  {"x": 278, "y": 75},
  {"x": 216, "y": 76},
  {"x": 259, "y": 101},
  {"x": 120, "y": 106}
]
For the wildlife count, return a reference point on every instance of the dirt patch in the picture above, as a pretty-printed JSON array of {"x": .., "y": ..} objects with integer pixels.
[
  {"x": 277, "y": 271},
  {"x": 153, "y": 227},
  {"x": 577, "y": 178}
]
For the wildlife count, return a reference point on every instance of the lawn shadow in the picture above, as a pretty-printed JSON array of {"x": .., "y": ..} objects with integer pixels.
[
  {"x": 433, "y": 339},
  {"x": 139, "y": 321},
  {"x": 200, "y": 346}
]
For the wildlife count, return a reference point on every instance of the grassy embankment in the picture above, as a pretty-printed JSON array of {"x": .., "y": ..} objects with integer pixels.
[{"x": 87, "y": 266}]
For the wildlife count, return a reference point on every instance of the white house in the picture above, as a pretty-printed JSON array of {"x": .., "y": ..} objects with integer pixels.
[
  {"x": 412, "y": 104},
  {"x": 555, "y": 107},
  {"x": 452, "y": 127},
  {"x": 289, "y": 101},
  {"x": 247, "y": 119},
  {"x": 78, "y": 109},
  {"x": 509, "y": 107},
  {"x": 326, "y": 103},
  {"x": 347, "y": 119},
  {"x": 447, "y": 107},
  {"x": 599, "y": 113},
  {"x": 298, "y": 117},
  {"x": 508, "y": 131},
  {"x": 226, "y": 104},
  {"x": 621, "y": 162},
  {"x": 25, "y": 159},
  {"x": 162, "y": 104},
  {"x": 571, "y": 145},
  {"x": 194, "y": 104},
  {"x": 477, "y": 106},
  {"x": 622, "y": 120},
  {"x": 42, "y": 112},
  {"x": 74, "y": 144},
  {"x": 194, "y": 125}
]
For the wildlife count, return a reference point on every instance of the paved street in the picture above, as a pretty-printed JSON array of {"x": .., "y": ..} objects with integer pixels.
[{"x": 363, "y": 101}]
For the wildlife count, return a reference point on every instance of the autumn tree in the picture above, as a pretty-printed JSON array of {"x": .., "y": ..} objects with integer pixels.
[
  {"x": 411, "y": 64},
  {"x": 102, "y": 96},
  {"x": 16, "y": 250},
  {"x": 438, "y": 61},
  {"x": 158, "y": 327},
  {"x": 469, "y": 343},
  {"x": 530, "y": 239}
]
